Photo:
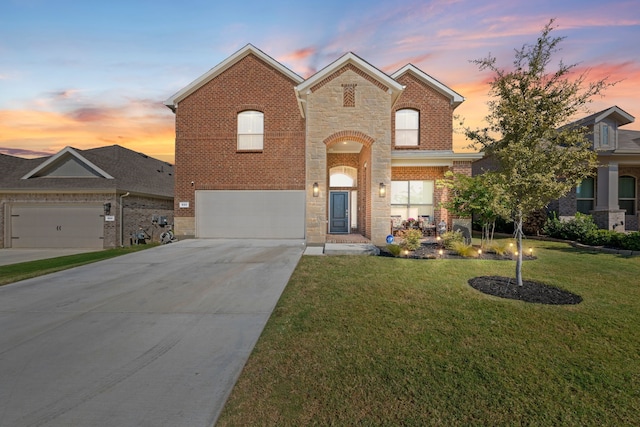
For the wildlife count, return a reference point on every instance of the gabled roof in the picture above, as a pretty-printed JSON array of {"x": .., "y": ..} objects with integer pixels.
[
  {"x": 120, "y": 170},
  {"x": 454, "y": 97},
  {"x": 173, "y": 101},
  {"x": 614, "y": 113},
  {"x": 63, "y": 157},
  {"x": 349, "y": 58}
]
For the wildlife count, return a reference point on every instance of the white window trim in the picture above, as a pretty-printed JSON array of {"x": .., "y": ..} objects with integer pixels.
[
  {"x": 256, "y": 135},
  {"x": 413, "y": 130}
]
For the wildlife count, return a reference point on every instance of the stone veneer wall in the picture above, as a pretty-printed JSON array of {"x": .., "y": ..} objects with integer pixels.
[{"x": 329, "y": 121}]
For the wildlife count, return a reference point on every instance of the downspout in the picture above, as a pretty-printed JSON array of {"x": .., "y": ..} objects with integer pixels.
[{"x": 121, "y": 219}]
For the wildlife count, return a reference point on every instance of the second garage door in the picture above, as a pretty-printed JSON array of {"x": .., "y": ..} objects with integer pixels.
[
  {"x": 274, "y": 214},
  {"x": 60, "y": 226}
]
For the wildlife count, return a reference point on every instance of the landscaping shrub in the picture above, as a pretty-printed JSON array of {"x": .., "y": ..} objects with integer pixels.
[
  {"x": 499, "y": 247},
  {"x": 599, "y": 238},
  {"x": 449, "y": 237},
  {"x": 411, "y": 239},
  {"x": 394, "y": 249},
  {"x": 630, "y": 241},
  {"x": 578, "y": 228},
  {"x": 582, "y": 229},
  {"x": 463, "y": 249}
]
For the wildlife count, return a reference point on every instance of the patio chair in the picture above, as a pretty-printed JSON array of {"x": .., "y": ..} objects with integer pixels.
[
  {"x": 396, "y": 224},
  {"x": 426, "y": 226}
]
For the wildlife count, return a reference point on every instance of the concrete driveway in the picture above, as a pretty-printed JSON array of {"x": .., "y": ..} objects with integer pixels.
[{"x": 154, "y": 338}]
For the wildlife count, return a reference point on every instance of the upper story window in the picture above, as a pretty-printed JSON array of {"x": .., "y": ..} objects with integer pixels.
[
  {"x": 585, "y": 196},
  {"x": 250, "y": 130},
  {"x": 604, "y": 135},
  {"x": 627, "y": 194},
  {"x": 407, "y": 125}
]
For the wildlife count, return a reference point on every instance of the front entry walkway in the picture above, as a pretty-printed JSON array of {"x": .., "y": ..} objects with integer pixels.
[
  {"x": 344, "y": 244},
  {"x": 346, "y": 238}
]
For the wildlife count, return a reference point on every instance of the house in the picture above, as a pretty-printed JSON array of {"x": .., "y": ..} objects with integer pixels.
[
  {"x": 264, "y": 153},
  {"x": 92, "y": 198},
  {"x": 611, "y": 195}
]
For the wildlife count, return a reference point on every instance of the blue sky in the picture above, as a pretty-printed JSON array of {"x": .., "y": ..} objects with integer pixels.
[{"x": 95, "y": 73}]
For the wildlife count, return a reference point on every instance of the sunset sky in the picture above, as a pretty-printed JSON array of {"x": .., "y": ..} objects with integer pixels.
[{"x": 94, "y": 73}]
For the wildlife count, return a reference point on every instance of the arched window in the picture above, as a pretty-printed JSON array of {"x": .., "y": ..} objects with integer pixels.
[
  {"x": 343, "y": 176},
  {"x": 250, "y": 130},
  {"x": 627, "y": 194},
  {"x": 407, "y": 125}
]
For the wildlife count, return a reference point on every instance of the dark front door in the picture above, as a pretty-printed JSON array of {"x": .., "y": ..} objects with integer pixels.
[{"x": 339, "y": 212}]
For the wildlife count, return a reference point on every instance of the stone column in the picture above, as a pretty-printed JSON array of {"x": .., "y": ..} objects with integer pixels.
[{"x": 607, "y": 213}]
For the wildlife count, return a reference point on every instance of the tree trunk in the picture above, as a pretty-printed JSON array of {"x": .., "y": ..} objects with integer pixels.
[{"x": 518, "y": 233}]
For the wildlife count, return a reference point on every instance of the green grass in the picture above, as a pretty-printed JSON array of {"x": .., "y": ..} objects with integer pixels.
[
  {"x": 26, "y": 270},
  {"x": 391, "y": 341}
]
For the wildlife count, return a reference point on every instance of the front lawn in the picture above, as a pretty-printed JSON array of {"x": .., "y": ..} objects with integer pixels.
[
  {"x": 26, "y": 270},
  {"x": 390, "y": 341}
]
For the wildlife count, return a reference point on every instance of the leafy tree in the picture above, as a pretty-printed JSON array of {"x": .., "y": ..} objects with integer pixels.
[
  {"x": 538, "y": 160},
  {"x": 474, "y": 196}
]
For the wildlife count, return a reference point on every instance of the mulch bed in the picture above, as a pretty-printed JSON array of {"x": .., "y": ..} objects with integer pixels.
[
  {"x": 431, "y": 251},
  {"x": 530, "y": 291}
]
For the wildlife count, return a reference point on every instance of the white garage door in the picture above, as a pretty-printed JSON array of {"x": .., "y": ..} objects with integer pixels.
[
  {"x": 277, "y": 214},
  {"x": 59, "y": 226}
]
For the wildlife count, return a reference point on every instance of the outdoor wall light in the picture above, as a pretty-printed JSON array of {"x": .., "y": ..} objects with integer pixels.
[
  {"x": 382, "y": 190},
  {"x": 107, "y": 208},
  {"x": 316, "y": 190}
]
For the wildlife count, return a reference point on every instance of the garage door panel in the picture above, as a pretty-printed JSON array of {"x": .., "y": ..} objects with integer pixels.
[
  {"x": 69, "y": 226},
  {"x": 250, "y": 214}
]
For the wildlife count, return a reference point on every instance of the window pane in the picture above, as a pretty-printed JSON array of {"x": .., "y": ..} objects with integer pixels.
[
  {"x": 250, "y": 130},
  {"x": 399, "y": 210},
  {"x": 407, "y": 124},
  {"x": 399, "y": 192},
  {"x": 627, "y": 187},
  {"x": 585, "y": 189},
  {"x": 340, "y": 180},
  {"x": 584, "y": 206},
  {"x": 250, "y": 122},
  {"x": 406, "y": 137},
  {"x": 628, "y": 205},
  {"x": 250, "y": 142},
  {"x": 604, "y": 135},
  {"x": 421, "y": 193},
  {"x": 407, "y": 119}
]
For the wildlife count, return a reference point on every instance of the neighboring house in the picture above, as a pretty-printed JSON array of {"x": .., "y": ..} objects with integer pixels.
[
  {"x": 263, "y": 153},
  {"x": 80, "y": 198},
  {"x": 611, "y": 196}
]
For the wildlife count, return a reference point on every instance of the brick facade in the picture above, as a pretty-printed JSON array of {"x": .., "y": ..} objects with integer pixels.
[
  {"x": 206, "y": 137},
  {"x": 349, "y": 101},
  {"x": 436, "y": 112}
]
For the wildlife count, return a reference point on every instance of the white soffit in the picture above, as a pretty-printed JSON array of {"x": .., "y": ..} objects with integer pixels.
[
  {"x": 67, "y": 151},
  {"x": 455, "y": 98},
  {"x": 172, "y": 101}
]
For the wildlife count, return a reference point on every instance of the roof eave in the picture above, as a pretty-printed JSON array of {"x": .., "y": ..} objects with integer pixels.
[
  {"x": 454, "y": 97},
  {"x": 173, "y": 101}
]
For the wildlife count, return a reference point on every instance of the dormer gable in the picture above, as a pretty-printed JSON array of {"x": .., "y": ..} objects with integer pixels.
[
  {"x": 67, "y": 163},
  {"x": 603, "y": 127}
]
